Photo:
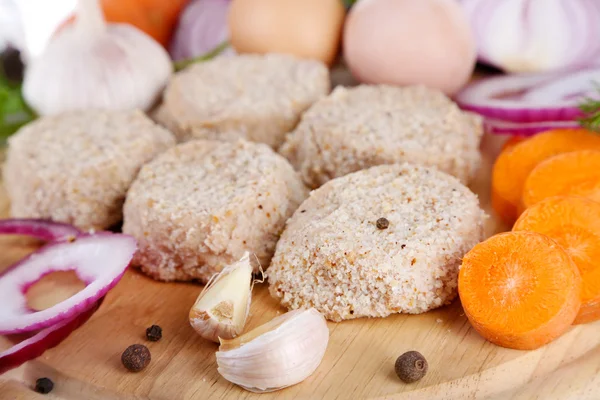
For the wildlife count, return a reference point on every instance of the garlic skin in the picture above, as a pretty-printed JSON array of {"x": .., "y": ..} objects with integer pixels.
[
  {"x": 278, "y": 354},
  {"x": 94, "y": 65},
  {"x": 221, "y": 309},
  {"x": 523, "y": 36}
]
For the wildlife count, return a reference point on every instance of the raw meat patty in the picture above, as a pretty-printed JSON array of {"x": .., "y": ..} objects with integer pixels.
[
  {"x": 255, "y": 97},
  {"x": 77, "y": 167},
  {"x": 357, "y": 128},
  {"x": 202, "y": 204},
  {"x": 336, "y": 257}
]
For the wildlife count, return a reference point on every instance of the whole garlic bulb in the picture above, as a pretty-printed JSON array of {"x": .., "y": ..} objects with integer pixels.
[
  {"x": 94, "y": 65},
  {"x": 278, "y": 354}
]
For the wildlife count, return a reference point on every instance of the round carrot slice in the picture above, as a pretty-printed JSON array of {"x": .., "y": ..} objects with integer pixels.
[
  {"x": 519, "y": 290},
  {"x": 518, "y": 159},
  {"x": 576, "y": 173},
  {"x": 512, "y": 141},
  {"x": 573, "y": 222}
]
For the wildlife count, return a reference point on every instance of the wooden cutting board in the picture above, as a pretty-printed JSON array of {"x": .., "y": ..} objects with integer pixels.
[{"x": 359, "y": 362}]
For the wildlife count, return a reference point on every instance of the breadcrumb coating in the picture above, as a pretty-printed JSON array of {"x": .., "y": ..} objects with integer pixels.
[
  {"x": 202, "y": 204},
  {"x": 336, "y": 257},
  {"x": 368, "y": 125},
  {"x": 77, "y": 167},
  {"x": 255, "y": 97}
]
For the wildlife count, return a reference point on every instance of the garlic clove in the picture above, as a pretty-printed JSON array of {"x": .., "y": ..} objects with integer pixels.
[
  {"x": 221, "y": 309},
  {"x": 278, "y": 354}
]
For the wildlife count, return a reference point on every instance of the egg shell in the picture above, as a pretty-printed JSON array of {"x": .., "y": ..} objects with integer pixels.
[
  {"x": 405, "y": 42},
  {"x": 304, "y": 28}
]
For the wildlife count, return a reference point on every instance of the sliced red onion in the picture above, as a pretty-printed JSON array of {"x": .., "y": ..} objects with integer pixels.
[
  {"x": 202, "y": 28},
  {"x": 99, "y": 260},
  {"x": 531, "y": 97},
  {"x": 525, "y": 129},
  {"x": 38, "y": 228},
  {"x": 43, "y": 340},
  {"x": 536, "y": 35}
]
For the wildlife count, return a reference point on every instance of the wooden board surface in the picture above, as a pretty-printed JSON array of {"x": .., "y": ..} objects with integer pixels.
[{"x": 359, "y": 362}]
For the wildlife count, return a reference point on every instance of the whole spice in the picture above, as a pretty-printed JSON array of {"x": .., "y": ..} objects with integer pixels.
[
  {"x": 154, "y": 333},
  {"x": 44, "y": 385},
  {"x": 93, "y": 65},
  {"x": 278, "y": 354},
  {"x": 136, "y": 357},
  {"x": 382, "y": 223},
  {"x": 222, "y": 307},
  {"x": 411, "y": 366}
]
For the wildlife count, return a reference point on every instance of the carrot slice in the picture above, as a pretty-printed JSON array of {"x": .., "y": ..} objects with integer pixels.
[
  {"x": 517, "y": 160},
  {"x": 576, "y": 173},
  {"x": 519, "y": 290},
  {"x": 573, "y": 222},
  {"x": 513, "y": 141}
]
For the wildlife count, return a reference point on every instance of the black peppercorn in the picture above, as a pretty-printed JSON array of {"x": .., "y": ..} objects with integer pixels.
[
  {"x": 136, "y": 357},
  {"x": 382, "y": 223},
  {"x": 44, "y": 385},
  {"x": 154, "y": 333},
  {"x": 411, "y": 366}
]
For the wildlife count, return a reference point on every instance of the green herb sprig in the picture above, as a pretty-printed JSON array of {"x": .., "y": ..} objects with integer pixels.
[
  {"x": 14, "y": 112},
  {"x": 591, "y": 112},
  {"x": 179, "y": 65}
]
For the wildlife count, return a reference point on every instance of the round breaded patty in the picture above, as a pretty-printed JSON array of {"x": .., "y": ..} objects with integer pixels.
[
  {"x": 254, "y": 97},
  {"x": 335, "y": 256},
  {"x": 357, "y": 128},
  {"x": 77, "y": 167},
  {"x": 202, "y": 204}
]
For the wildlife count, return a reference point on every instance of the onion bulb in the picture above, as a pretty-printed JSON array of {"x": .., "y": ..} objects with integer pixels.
[
  {"x": 202, "y": 28},
  {"x": 407, "y": 42}
]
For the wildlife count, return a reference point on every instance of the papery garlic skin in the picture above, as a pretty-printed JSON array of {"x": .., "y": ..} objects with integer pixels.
[
  {"x": 221, "y": 309},
  {"x": 535, "y": 35},
  {"x": 93, "y": 65},
  {"x": 281, "y": 353}
]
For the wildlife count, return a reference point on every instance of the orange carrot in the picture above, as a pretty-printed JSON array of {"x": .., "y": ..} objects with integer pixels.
[
  {"x": 516, "y": 161},
  {"x": 519, "y": 290},
  {"x": 576, "y": 173},
  {"x": 156, "y": 18},
  {"x": 513, "y": 141},
  {"x": 573, "y": 222}
]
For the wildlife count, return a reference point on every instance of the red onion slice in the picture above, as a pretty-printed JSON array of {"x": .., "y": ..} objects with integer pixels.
[
  {"x": 43, "y": 340},
  {"x": 525, "y": 129},
  {"x": 531, "y": 97},
  {"x": 99, "y": 260},
  {"x": 38, "y": 228}
]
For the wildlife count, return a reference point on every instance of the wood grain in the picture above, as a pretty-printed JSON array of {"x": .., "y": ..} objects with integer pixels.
[{"x": 359, "y": 362}]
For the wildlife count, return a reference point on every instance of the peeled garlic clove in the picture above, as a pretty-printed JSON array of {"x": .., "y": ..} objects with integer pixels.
[
  {"x": 278, "y": 354},
  {"x": 221, "y": 309},
  {"x": 93, "y": 65}
]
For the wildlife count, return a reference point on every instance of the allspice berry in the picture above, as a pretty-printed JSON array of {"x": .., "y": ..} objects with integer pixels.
[
  {"x": 411, "y": 366},
  {"x": 136, "y": 357},
  {"x": 44, "y": 385}
]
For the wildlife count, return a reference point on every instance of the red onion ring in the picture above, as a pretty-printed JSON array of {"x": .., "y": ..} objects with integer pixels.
[
  {"x": 38, "y": 228},
  {"x": 99, "y": 259},
  {"x": 531, "y": 97},
  {"x": 43, "y": 340}
]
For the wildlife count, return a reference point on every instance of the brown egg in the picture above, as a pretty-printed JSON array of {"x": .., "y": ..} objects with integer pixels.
[
  {"x": 406, "y": 42},
  {"x": 304, "y": 28}
]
